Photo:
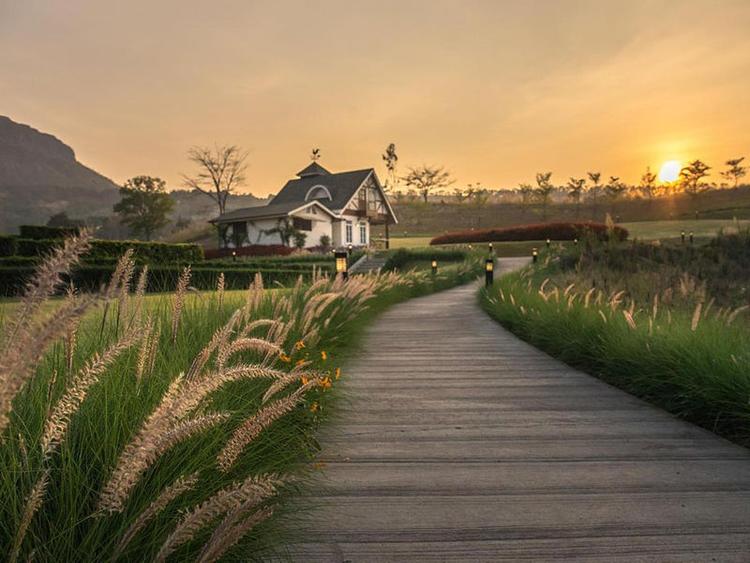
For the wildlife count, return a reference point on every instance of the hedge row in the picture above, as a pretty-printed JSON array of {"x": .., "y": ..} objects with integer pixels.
[
  {"x": 160, "y": 278},
  {"x": 252, "y": 250},
  {"x": 543, "y": 231},
  {"x": 297, "y": 265},
  {"x": 44, "y": 232},
  {"x": 158, "y": 252}
]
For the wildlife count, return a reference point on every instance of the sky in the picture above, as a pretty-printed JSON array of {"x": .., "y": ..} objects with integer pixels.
[{"x": 493, "y": 90}]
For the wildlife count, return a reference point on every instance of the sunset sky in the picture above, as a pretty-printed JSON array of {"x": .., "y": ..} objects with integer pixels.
[{"x": 493, "y": 90}]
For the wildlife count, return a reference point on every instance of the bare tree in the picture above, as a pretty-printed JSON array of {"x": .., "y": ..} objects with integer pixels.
[
  {"x": 221, "y": 171},
  {"x": 424, "y": 179},
  {"x": 391, "y": 163},
  {"x": 575, "y": 192},
  {"x": 735, "y": 170},
  {"x": 544, "y": 190}
]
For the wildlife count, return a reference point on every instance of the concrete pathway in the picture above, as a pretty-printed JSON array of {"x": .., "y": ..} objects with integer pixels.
[{"x": 462, "y": 443}]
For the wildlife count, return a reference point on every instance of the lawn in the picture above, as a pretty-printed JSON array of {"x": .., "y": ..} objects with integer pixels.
[{"x": 652, "y": 230}]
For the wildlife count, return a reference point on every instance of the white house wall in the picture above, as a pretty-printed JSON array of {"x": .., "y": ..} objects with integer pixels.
[{"x": 256, "y": 235}]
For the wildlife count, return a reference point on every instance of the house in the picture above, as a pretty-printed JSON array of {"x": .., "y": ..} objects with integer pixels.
[{"x": 317, "y": 203}]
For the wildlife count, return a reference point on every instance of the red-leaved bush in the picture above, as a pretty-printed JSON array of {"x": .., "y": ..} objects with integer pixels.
[
  {"x": 252, "y": 250},
  {"x": 542, "y": 231}
]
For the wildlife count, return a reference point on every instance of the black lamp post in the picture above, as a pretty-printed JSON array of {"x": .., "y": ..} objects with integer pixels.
[
  {"x": 489, "y": 267},
  {"x": 691, "y": 237},
  {"x": 234, "y": 255},
  {"x": 575, "y": 241},
  {"x": 548, "y": 243},
  {"x": 342, "y": 264},
  {"x": 434, "y": 266},
  {"x": 682, "y": 236},
  {"x": 490, "y": 248},
  {"x": 534, "y": 255},
  {"x": 349, "y": 249}
]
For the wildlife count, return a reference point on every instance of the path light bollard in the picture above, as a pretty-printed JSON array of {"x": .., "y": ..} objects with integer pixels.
[
  {"x": 349, "y": 250},
  {"x": 434, "y": 266},
  {"x": 489, "y": 246},
  {"x": 575, "y": 241},
  {"x": 489, "y": 267},
  {"x": 691, "y": 237},
  {"x": 234, "y": 255},
  {"x": 548, "y": 243},
  {"x": 342, "y": 264},
  {"x": 534, "y": 255},
  {"x": 682, "y": 236}
]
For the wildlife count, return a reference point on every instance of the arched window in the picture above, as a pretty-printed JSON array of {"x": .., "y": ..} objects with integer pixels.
[{"x": 318, "y": 192}]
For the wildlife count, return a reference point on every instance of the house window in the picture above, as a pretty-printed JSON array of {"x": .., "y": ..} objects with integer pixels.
[
  {"x": 302, "y": 224},
  {"x": 362, "y": 233},
  {"x": 239, "y": 234},
  {"x": 349, "y": 231}
]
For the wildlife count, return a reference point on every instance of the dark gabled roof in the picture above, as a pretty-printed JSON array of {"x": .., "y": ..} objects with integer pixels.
[
  {"x": 265, "y": 211},
  {"x": 314, "y": 169},
  {"x": 341, "y": 186}
]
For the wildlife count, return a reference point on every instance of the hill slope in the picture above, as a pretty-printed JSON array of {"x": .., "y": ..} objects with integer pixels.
[{"x": 40, "y": 176}]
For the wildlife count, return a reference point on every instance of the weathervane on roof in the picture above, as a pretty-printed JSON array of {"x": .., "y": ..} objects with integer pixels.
[{"x": 315, "y": 155}]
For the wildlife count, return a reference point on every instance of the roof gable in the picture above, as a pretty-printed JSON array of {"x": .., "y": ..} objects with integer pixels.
[
  {"x": 313, "y": 169},
  {"x": 342, "y": 186}
]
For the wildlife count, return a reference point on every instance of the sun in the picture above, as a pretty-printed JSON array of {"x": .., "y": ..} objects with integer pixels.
[{"x": 670, "y": 171}]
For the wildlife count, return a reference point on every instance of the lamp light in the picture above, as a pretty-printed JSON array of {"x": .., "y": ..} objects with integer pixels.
[
  {"x": 434, "y": 266},
  {"x": 534, "y": 255},
  {"x": 342, "y": 264},
  {"x": 489, "y": 267}
]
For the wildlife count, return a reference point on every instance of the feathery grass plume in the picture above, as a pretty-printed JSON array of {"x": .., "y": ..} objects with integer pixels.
[
  {"x": 178, "y": 301},
  {"x": 655, "y": 308},
  {"x": 251, "y": 491},
  {"x": 58, "y": 421},
  {"x": 230, "y": 532},
  {"x": 243, "y": 345},
  {"x": 220, "y": 290},
  {"x": 253, "y": 426},
  {"x": 696, "y": 317},
  {"x": 629, "y": 319},
  {"x": 159, "y": 431},
  {"x": 734, "y": 314},
  {"x": 219, "y": 339},
  {"x": 18, "y": 362},
  {"x": 144, "y": 349},
  {"x": 170, "y": 493},
  {"x": 140, "y": 293},
  {"x": 602, "y": 315},
  {"x": 123, "y": 294},
  {"x": 587, "y": 297},
  {"x": 33, "y": 502}
]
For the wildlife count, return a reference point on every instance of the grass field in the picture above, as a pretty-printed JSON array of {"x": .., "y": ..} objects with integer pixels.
[{"x": 652, "y": 230}]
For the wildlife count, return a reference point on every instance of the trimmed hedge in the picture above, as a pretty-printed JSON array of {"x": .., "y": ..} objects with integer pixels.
[
  {"x": 252, "y": 250},
  {"x": 157, "y": 252},
  {"x": 160, "y": 278},
  {"x": 8, "y": 246},
  {"x": 40, "y": 232},
  {"x": 543, "y": 231}
]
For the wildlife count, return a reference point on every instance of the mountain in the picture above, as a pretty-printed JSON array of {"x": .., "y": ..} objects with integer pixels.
[{"x": 40, "y": 176}]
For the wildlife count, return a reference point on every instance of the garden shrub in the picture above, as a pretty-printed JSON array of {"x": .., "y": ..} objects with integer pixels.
[
  {"x": 8, "y": 245},
  {"x": 542, "y": 231},
  {"x": 39, "y": 232}
]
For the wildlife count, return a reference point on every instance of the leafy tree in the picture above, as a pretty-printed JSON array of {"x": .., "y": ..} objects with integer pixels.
[
  {"x": 299, "y": 239},
  {"x": 648, "y": 187},
  {"x": 286, "y": 230},
  {"x": 62, "y": 220},
  {"x": 478, "y": 196},
  {"x": 615, "y": 189},
  {"x": 460, "y": 195},
  {"x": 526, "y": 191},
  {"x": 735, "y": 170},
  {"x": 595, "y": 189},
  {"x": 145, "y": 205},
  {"x": 221, "y": 171},
  {"x": 691, "y": 178},
  {"x": 425, "y": 179},
  {"x": 543, "y": 191},
  {"x": 575, "y": 192}
]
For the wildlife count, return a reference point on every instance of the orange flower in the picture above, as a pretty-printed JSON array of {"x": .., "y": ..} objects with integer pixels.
[
  {"x": 323, "y": 355},
  {"x": 284, "y": 358},
  {"x": 304, "y": 380},
  {"x": 299, "y": 345},
  {"x": 300, "y": 362},
  {"x": 325, "y": 383},
  {"x": 338, "y": 373},
  {"x": 314, "y": 407}
]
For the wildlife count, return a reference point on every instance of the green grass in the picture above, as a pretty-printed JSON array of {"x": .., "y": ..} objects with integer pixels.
[
  {"x": 696, "y": 369},
  {"x": 654, "y": 230},
  {"x": 502, "y": 249},
  {"x": 66, "y": 526}
]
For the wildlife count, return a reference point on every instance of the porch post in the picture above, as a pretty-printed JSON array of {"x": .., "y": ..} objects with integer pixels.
[{"x": 387, "y": 239}]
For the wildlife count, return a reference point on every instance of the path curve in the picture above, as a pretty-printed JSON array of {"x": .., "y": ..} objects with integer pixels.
[{"x": 463, "y": 443}]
